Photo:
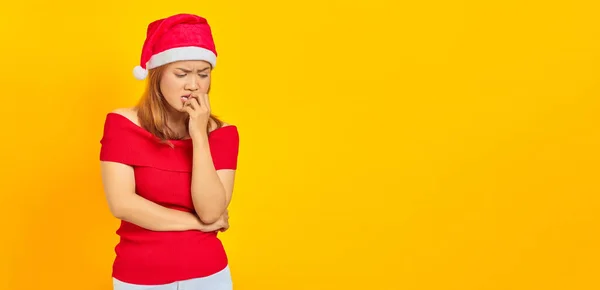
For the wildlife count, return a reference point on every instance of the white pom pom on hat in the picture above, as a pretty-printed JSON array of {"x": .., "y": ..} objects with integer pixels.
[
  {"x": 176, "y": 38},
  {"x": 139, "y": 72}
]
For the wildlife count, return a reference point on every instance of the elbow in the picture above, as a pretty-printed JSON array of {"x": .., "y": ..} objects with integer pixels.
[
  {"x": 209, "y": 214},
  {"x": 209, "y": 217},
  {"x": 209, "y": 211},
  {"x": 118, "y": 212}
]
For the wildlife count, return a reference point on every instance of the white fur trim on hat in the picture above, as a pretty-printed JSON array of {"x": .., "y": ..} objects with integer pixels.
[{"x": 182, "y": 53}]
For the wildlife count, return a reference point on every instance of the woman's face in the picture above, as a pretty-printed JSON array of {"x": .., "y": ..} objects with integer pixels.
[{"x": 182, "y": 78}]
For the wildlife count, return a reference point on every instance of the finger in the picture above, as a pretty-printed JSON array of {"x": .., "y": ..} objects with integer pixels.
[
  {"x": 188, "y": 109},
  {"x": 206, "y": 102},
  {"x": 202, "y": 100},
  {"x": 188, "y": 102},
  {"x": 193, "y": 102}
]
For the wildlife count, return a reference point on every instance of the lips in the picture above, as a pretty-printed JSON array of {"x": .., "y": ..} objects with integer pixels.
[{"x": 184, "y": 98}]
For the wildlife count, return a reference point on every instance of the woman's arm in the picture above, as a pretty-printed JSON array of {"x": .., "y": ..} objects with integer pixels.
[
  {"x": 119, "y": 187},
  {"x": 227, "y": 178},
  {"x": 210, "y": 193}
]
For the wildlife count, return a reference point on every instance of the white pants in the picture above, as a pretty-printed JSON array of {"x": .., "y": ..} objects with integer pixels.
[{"x": 218, "y": 281}]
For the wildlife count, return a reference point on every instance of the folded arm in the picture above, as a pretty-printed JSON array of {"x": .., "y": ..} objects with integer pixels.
[{"x": 119, "y": 187}]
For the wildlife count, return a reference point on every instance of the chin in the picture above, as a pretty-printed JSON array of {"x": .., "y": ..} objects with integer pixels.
[{"x": 178, "y": 109}]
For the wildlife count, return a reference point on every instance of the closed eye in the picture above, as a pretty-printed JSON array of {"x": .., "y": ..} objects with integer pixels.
[{"x": 183, "y": 75}]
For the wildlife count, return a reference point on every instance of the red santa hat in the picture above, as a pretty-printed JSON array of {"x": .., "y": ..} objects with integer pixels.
[{"x": 175, "y": 38}]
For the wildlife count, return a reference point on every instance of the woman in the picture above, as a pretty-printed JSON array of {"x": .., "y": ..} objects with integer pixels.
[{"x": 168, "y": 166}]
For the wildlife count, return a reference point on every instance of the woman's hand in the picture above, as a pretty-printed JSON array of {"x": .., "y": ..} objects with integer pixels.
[
  {"x": 225, "y": 219},
  {"x": 198, "y": 108}
]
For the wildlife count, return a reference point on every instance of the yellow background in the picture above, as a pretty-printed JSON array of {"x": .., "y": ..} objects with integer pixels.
[{"x": 416, "y": 145}]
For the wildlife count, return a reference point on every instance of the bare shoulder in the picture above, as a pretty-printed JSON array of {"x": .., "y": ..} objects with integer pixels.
[
  {"x": 213, "y": 125},
  {"x": 129, "y": 113}
]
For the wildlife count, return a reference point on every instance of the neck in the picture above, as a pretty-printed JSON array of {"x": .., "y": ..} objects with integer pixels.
[{"x": 177, "y": 121}]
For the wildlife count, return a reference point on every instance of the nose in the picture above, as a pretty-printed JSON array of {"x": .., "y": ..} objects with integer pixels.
[{"x": 192, "y": 85}]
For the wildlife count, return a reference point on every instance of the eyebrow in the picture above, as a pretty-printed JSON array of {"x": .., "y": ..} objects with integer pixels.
[{"x": 188, "y": 71}]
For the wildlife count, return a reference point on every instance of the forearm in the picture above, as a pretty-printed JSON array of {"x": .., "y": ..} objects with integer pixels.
[
  {"x": 208, "y": 193},
  {"x": 152, "y": 216}
]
